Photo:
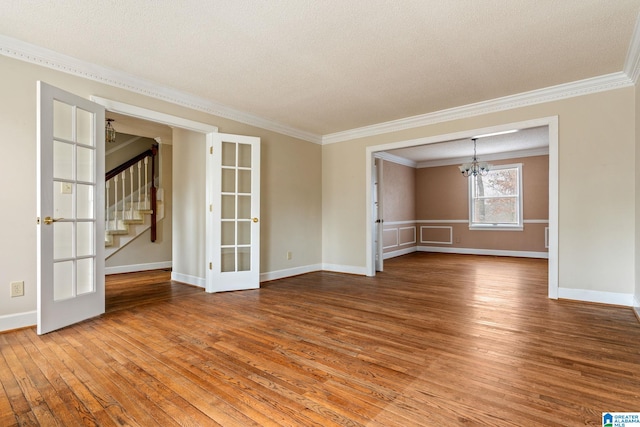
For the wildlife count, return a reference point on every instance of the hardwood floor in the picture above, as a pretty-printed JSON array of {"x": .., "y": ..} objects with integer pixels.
[
  {"x": 125, "y": 291},
  {"x": 434, "y": 340}
]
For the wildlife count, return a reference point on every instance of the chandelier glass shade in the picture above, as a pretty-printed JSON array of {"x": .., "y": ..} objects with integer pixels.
[
  {"x": 474, "y": 167},
  {"x": 109, "y": 132}
]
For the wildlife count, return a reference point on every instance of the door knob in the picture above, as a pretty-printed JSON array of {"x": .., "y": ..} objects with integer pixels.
[{"x": 48, "y": 220}]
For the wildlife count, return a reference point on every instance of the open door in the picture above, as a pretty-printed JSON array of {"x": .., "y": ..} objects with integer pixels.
[
  {"x": 234, "y": 262},
  {"x": 70, "y": 205},
  {"x": 378, "y": 221}
]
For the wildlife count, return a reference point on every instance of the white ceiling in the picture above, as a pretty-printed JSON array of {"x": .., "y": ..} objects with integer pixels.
[{"x": 328, "y": 66}]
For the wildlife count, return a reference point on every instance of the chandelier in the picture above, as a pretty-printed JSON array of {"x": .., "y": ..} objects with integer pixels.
[
  {"x": 474, "y": 167},
  {"x": 109, "y": 132}
]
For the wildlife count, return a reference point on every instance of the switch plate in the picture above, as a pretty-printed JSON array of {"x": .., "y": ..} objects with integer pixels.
[
  {"x": 66, "y": 188},
  {"x": 17, "y": 289}
]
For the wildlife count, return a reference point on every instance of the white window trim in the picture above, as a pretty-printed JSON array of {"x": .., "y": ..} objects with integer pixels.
[{"x": 503, "y": 227}]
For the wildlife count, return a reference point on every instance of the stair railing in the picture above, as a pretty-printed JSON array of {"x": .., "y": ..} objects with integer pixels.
[{"x": 146, "y": 188}]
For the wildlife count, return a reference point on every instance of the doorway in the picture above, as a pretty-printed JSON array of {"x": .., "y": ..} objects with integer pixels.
[
  {"x": 552, "y": 125},
  {"x": 229, "y": 177},
  {"x": 140, "y": 157}
]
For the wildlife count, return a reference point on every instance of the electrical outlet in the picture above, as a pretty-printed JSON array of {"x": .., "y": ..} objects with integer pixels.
[
  {"x": 17, "y": 289},
  {"x": 288, "y": 255}
]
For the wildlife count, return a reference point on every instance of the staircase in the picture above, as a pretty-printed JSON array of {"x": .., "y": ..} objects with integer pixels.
[{"x": 137, "y": 203}]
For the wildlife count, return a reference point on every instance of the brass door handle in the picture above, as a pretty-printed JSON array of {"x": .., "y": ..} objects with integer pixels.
[
  {"x": 48, "y": 220},
  {"x": 255, "y": 219}
]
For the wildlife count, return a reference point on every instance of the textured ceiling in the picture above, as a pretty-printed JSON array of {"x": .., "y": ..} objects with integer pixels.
[
  {"x": 523, "y": 142},
  {"x": 333, "y": 65}
]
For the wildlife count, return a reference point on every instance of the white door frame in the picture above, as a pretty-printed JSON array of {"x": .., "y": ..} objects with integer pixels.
[
  {"x": 377, "y": 207},
  {"x": 552, "y": 124},
  {"x": 178, "y": 122}
]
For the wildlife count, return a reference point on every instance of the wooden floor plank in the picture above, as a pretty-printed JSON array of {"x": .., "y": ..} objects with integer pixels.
[{"x": 435, "y": 339}]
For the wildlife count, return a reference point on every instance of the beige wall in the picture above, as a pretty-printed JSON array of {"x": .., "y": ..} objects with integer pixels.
[
  {"x": 291, "y": 182},
  {"x": 596, "y": 188},
  {"x": 189, "y": 203}
]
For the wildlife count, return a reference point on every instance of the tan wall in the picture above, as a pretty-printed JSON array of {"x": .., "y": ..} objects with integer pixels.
[
  {"x": 442, "y": 194},
  {"x": 398, "y": 183},
  {"x": 290, "y": 171},
  {"x": 596, "y": 187},
  {"x": 398, "y": 192}
]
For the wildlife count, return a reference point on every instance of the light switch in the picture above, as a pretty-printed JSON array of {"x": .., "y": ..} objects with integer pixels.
[{"x": 66, "y": 187}]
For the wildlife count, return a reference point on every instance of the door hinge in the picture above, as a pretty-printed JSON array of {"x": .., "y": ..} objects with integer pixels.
[
  {"x": 210, "y": 266},
  {"x": 210, "y": 208},
  {"x": 210, "y": 150}
]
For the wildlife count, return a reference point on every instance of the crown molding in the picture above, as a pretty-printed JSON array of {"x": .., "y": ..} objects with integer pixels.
[
  {"x": 539, "y": 96},
  {"x": 395, "y": 159},
  {"x": 27, "y": 52}
]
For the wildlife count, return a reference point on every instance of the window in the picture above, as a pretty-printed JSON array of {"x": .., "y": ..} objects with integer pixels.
[{"x": 495, "y": 200}]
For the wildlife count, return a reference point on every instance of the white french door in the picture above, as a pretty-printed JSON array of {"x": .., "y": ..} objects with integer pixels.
[
  {"x": 70, "y": 209},
  {"x": 234, "y": 251}
]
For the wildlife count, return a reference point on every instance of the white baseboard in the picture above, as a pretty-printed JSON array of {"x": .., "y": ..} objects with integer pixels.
[
  {"x": 612, "y": 298},
  {"x": 18, "y": 320},
  {"x": 281, "y": 274},
  {"x": 399, "y": 252},
  {"x": 137, "y": 267},
  {"x": 189, "y": 280},
  {"x": 348, "y": 269},
  {"x": 494, "y": 252}
]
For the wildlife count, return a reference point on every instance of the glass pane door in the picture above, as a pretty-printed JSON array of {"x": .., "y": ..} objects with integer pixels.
[
  {"x": 235, "y": 224},
  {"x": 74, "y": 209},
  {"x": 70, "y": 199},
  {"x": 235, "y": 207}
]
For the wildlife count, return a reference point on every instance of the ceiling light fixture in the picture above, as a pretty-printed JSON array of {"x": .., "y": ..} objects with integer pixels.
[
  {"x": 474, "y": 167},
  {"x": 496, "y": 133},
  {"x": 109, "y": 132}
]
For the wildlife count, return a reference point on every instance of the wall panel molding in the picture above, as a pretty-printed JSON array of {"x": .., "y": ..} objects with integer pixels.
[
  {"x": 391, "y": 232},
  {"x": 435, "y": 227},
  {"x": 412, "y": 240}
]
